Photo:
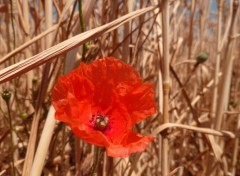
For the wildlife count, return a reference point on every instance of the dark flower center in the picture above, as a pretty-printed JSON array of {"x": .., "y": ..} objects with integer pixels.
[{"x": 101, "y": 122}]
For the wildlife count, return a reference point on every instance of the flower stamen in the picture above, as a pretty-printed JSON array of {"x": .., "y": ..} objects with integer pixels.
[{"x": 101, "y": 122}]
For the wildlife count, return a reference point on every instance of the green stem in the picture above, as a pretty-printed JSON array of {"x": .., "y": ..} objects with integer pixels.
[
  {"x": 96, "y": 162},
  {"x": 82, "y": 25},
  {"x": 11, "y": 134},
  {"x": 7, "y": 121}
]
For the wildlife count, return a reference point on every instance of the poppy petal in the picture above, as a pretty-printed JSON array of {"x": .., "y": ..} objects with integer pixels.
[
  {"x": 92, "y": 136},
  {"x": 133, "y": 143},
  {"x": 72, "y": 111},
  {"x": 120, "y": 124},
  {"x": 72, "y": 102},
  {"x": 110, "y": 70},
  {"x": 79, "y": 86},
  {"x": 106, "y": 74},
  {"x": 138, "y": 98}
]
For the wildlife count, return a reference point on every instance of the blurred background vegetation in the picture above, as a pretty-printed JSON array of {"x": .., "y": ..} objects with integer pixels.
[{"x": 42, "y": 39}]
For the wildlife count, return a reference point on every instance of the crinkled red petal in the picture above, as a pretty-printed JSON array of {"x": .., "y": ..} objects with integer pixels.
[
  {"x": 73, "y": 112},
  {"x": 133, "y": 143},
  {"x": 71, "y": 98},
  {"x": 119, "y": 124},
  {"x": 92, "y": 136},
  {"x": 78, "y": 86},
  {"x": 106, "y": 74},
  {"x": 138, "y": 98}
]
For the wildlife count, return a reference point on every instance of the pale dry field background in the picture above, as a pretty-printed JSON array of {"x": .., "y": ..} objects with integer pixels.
[{"x": 197, "y": 124}]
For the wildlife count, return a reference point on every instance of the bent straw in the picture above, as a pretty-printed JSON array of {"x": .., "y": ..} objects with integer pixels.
[{"x": 220, "y": 133}]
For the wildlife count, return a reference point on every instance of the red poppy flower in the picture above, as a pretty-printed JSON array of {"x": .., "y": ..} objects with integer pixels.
[{"x": 102, "y": 101}]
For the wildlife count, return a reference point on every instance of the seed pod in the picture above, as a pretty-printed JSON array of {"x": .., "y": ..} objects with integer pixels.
[
  {"x": 35, "y": 80},
  {"x": 202, "y": 57},
  {"x": 23, "y": 115},
  {"x": 6, "y": 95}
]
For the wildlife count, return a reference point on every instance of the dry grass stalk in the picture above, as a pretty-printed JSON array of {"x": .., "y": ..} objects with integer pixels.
[
  {"x": 222, "y": 133},
  {"x": 34, "y": 129},
  {"x": 217, "y": 64},
  {"x": 25, "y": 45},
  {"x": 43, "y": 145},
  {"x": 166, "y": 84},
  {"x": 227, "y": 70}
]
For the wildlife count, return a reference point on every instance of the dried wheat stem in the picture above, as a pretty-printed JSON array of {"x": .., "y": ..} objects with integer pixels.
[
  {"x": 227, "y": 76},
  {"x": 13, "y": 27},
  {"x": 227, "y": 71},
  {"x": 201, "y": 23},
  {"x": 217, "y": 64},
  {"x": 235, "y": 151},
  {"x": 82, "y": 26},
  {"x": 216, "y": 77},
  {"x": 31, "y": 145},
  {"x": 27, "y": 51},
  {"x": 166, "y": 84},
  {"x": 32, "y": 141},
  {"x": 26, "y": 44},
  {"x": 127, "y": 29},
  {"x": 190, "y": 40},
  {"x": 160, "y": 87},
  {"x": 44, "y": 142}
]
